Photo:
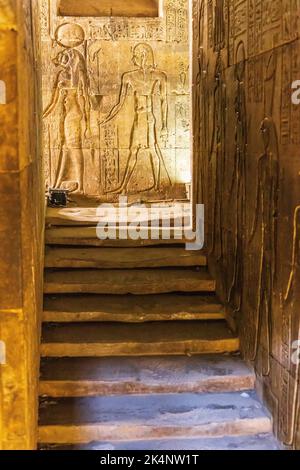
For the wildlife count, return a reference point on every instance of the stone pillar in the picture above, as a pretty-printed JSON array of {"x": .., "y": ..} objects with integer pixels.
[{"x": 21, "y": 227}]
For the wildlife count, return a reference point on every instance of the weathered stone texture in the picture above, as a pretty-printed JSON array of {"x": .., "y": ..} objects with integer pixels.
[
  {"x": 21, "y": 226},
  {"x": 131, "y": 103},
  {"x": 247, "y": 136}
]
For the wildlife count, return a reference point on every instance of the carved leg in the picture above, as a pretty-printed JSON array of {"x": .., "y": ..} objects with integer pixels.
[
  {"x": 260, "y": 300},
  {"x": 266, "y": 366},
  {"x": 162, "y": 162},
  {"x": 156, "y": 167},
  {"x": 130, "y": 167},
  {"x": 61, "y": 167}
]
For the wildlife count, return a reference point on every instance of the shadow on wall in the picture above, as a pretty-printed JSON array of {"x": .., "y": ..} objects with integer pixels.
[{"x": 248, "y": 131}]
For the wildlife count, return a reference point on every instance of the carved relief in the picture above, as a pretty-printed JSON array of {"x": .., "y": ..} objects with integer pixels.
[
  {"x": 238, "y": 16},
  {"x": 143, "y": 83},
  {"x": 219, "y": 25},
  {"x": 254, "y": 270},
  {"x": 125, "y": 29},
  {"x": 210, "y": 23},
  {"x": 202, "y": 105},
  {"x": 290, "y": 332},
  {"x": 110, "y": 157},
  {"x": 271, "y": 23},
  {"x": 217, "y": 157},
  {"x": 86, "y": 63},
  {"x": 256, "y": 80},
  {"x": 238, "y": 182},
  {"x": 266, "y": 206},
  {"x": 290, "y": 113}
]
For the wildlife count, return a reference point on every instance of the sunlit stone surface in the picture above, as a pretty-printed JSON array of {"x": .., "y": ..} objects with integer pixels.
[{"x": 116, "y": 95}]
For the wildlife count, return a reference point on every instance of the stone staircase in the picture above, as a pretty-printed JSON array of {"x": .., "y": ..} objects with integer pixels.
[{"x": 136, "y": 352}]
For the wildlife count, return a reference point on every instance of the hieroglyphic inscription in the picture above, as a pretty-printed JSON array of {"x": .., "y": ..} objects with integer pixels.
[
  {"x": 255, "y": 80},
  {"x": 290, "y": 333},
  {"x": 110, "y": 158},
  {"x": 271, "y": 23},
  {"x": 254, "y": 27},
  {"x": 125, "y": 29},
  {"x": 238, "y": 183},
  {"x": 238, "y": 18},
  {"x": 290, "y": 113},
  {"x": 266, "y": 206},
  {"x": 266, "y": 277},
  {"x": 177, "y": 21},
  {"x": 210, "y": 23},
  {"x": 87, "y": 66}
]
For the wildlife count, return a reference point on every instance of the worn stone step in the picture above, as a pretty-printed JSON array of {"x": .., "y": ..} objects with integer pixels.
[
  {"x": 118, "y": 258},
  {"x": 130, "y": 281},
  {"x": 82, "y": 377},
  {"x": 165, "y": 214},
  {"x": 146, "y": 339},
  {"x": 131, "y": 308},
  {"x": 87, "y": 236},
  {"x": 130, "y": 418},
  {"x": 251, "y": 442}
]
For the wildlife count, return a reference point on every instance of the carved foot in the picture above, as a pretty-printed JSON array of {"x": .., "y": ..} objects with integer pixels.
[
  {"x": 117, "y": 191},
  {"x": 72, "y": 187}
]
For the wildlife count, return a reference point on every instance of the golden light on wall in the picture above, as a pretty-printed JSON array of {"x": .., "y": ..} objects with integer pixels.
[
  {"x": 125, "y": 8},
  {"x": 116, "y": 95}
]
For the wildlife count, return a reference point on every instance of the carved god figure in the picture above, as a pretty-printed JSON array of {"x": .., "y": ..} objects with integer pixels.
[
  {"x": 266, "y": 207},
  {"x": 217, "y": 158},
  {"x": 143, "y": 82},
  {"x": 70, "y": 100},
  {"x": 238, "y": 183},
  {"x": 289, "y": 418}
]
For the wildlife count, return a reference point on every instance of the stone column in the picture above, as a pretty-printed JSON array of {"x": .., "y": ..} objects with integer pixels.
[{"x": 21, "y": 226}]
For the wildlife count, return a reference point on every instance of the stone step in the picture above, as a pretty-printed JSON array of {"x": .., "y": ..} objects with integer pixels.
[
  {"x": 131, "y": 309},
  {"x": 156, "y": 216},
  {"x": 130, "y": 281},
  {"x": 83, "y": 377},
  {"x": 121, "y": 258},
  {"x": 145, "y": 339},
  {"x": 87, "y": 236},
  {"x": 150, "y": 417},
  {"x": 251, "y": 442}
]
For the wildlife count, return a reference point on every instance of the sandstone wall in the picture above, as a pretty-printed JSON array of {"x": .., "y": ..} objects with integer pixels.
[
  {"x": 247, "y": 137},
  {"x": 21, "y": 225},
  {"x": 92, "y": 64}
]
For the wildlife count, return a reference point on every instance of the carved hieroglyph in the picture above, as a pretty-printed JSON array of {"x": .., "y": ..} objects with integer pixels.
[
  {"x": 116, "y": 95},
  {"x": 238, "y": 182},
  {"x": 253, "y": 167}
]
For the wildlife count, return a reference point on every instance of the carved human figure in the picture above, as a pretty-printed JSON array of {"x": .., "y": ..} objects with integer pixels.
[
  {"x": 217, "y": 158},
  {"x": 238, "y": 183},
  {"x": 70, "y": 100},
  {"x": 201, "y": 104},
  {"x": 266, "y": 206},
  {"x": 291, "y": 406},
  {"x": 143, "y": 82}
]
